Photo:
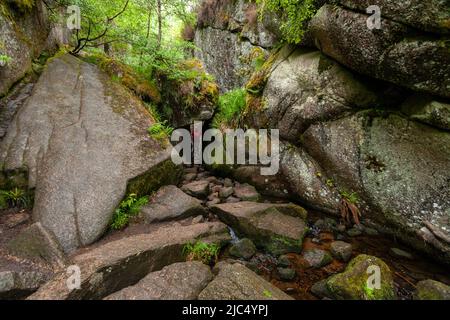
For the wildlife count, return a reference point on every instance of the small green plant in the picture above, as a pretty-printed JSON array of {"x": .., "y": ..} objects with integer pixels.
[
  {"x": 16, "y": 198},
  {"x": 349, "y": 209},
  {"x": 267, "y": 294},
  {"x": 128, "y": 208},
  {"x": 4, "y": 59},
  {"x": 208, "y": 253},
  {"x": 160, "y": 130},
  {"x": 351, "y": 197},
  {"x": 231, "y": 106},
  {"x": 295, "y": 15},
  {"x": 330, "y": 183},
  {"x": 369, "y": 293}
]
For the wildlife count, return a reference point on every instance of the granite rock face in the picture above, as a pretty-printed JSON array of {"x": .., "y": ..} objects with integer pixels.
[
  {"x": 232, "y": 39},
  {"x": 83, "y": 140},
  {"x": 394, "y": 53}
]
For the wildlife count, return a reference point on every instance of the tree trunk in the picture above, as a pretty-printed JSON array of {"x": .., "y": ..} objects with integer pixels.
[{"x": 159, "y": 24}]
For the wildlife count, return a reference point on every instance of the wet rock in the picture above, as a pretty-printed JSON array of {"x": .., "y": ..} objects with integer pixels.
[
  {"x": 113, "y": 266},
  {"x": 395, "y": 53},
  {"x": 278, "y": 228},
  {"x": 317, "y": 258},
  {"x": 326, "y": 224},
  {"x": 320, "y": 289},
  {"x": 198, "y": 189},
  {"x": 341, "y": 250},
  {"x": 354, "y": 232},
  {"x": 244, "y": 249},
  {"x": 226, "y": 192},
  {"x": 170, "y": 203},
  {"x": 179, "y": 281},
  {"x": 236, "y": 282},
  {"x": 352, "y": 284},
  {"x": 18, "y": 285},
  {"x": 286, "y": 274},
  {"x": 246, "y": 192},
  {"x": 284, "y": 261},
  {"x": 401, "y": 253},
  {"x": 371, "y": 231},
  {"x": 432, "y": 290},
  {"x": 81, "y": 141}
]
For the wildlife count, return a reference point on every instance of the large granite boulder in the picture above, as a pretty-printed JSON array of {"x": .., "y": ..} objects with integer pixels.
[
  {"x": 395, "y": 53},
  {"x": 116, "y": 265},
  {"x": 278, "y": 228},
  {"x": 398, "y": 167},
  {"x": 84, "y": 142},
  {"x": 170, "y": 203},
  {"x": 236, "y": 282},
  {"x": 431, "y": 15},
  {"x": 306, "y": 87},
  {"x": 179, "y": 281}
]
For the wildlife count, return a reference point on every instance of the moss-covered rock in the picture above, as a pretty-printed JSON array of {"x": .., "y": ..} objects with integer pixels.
[
  {"x": 353, "y": 283},
  {"x": 277, "y": 228},
  {"x": 432, "y": 290},
  {"x": 192, "y": 95}
]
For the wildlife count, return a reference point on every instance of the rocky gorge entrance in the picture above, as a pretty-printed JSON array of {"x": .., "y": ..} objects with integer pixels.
[{"x": 93, "y": 207}]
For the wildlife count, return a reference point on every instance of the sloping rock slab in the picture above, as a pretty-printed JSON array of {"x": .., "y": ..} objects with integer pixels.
[
  {"x": 236, "y": 282},
  {"x": 171, "y": 203},
  {"x": 82, "y": 138},
  {"x": 122, "y": 263},
  {"x": 179, "y": 281},
  {"x": 278, "y": 228}
]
